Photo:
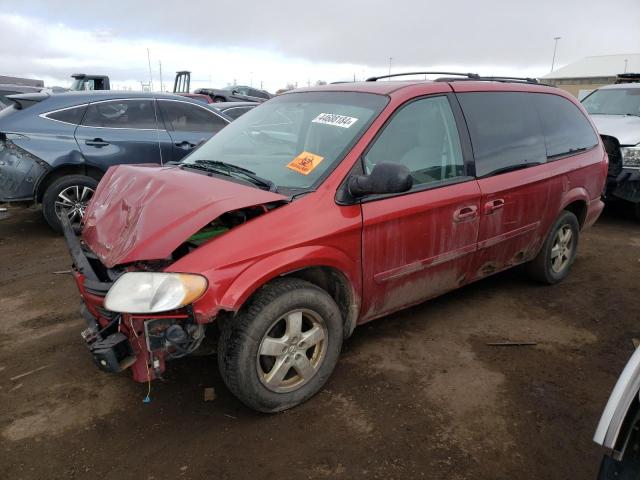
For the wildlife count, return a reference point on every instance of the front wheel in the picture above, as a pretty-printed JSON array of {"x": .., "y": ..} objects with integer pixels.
[
  {"x": 553, "y": 262},
  {"x": 282, "y": 347}
]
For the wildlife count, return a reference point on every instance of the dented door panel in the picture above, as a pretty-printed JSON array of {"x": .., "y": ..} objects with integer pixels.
[{"x": 416, "y": 246}]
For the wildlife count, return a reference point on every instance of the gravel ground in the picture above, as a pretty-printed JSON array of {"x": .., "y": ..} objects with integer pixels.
[{"x": 416, "y": 394}]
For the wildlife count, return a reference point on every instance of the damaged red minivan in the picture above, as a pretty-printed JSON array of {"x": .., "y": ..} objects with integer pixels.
[{"x": 325, "y": 208}]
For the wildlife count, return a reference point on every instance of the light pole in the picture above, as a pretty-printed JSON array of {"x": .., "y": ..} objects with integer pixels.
[
  {"x": 555, "y": 47},
  {"x": 390, "y": 59}
]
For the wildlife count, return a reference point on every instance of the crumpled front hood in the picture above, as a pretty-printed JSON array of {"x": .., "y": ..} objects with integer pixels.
[
  {"x": 144, "y": 212},
  {"x": 626, "y": 128}
]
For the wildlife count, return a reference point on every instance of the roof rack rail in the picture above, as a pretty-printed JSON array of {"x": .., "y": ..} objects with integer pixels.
[
  {"x": 468, "y": 75},
  {"x": 510, "y": 79}
]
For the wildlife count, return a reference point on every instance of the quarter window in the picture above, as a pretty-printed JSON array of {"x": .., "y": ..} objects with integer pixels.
[
  {"x": 565, "y": 128},
  {"x": 422, "y": 136},
  {"x": 236, "y": 112},
  {"x": 187, "y": 117},
  {"x": 505, "y": 131},
  {"x": 121, "y": 114}
]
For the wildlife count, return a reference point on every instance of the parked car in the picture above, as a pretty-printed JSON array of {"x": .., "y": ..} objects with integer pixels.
[
  {"x": 326, "y": 208},
  {"x": 619, "y": 426},
  {"x": 615, "y": 110},
  {"x": 234, "y": 110},
  {"x": 55, "y": 148},
  {"x": 237, "y": 93}
]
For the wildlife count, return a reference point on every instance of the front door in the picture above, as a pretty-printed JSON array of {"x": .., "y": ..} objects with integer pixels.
[
  {"x": 419, "y": 244},
  {"x": 510, "y": 156},
  {"x": 122, "y": 131}
]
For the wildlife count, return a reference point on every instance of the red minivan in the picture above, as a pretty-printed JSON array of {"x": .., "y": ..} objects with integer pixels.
[{"x": 325, "y": 208}]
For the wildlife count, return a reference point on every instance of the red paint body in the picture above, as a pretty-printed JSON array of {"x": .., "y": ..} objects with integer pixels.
[{"x": 394, "y": 252}]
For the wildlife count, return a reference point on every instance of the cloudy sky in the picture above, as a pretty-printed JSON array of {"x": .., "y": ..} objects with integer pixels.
[{"x": 279, "y": 42}]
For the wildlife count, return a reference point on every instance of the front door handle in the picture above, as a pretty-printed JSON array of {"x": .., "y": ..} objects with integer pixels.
[
  {"x": 96, "y": 142},
  {"x": 185, "y": 145},
  {"x": 465, "y": 213},
  {"x": 493, "y": 205}
]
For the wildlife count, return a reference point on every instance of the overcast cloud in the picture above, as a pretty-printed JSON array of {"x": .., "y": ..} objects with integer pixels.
[{"x": 299, "y": 41}]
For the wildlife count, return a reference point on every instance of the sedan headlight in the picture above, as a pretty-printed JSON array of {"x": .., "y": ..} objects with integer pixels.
[
  {"x": 152, "y": 292},
  {"x": 630, "y": 157}
]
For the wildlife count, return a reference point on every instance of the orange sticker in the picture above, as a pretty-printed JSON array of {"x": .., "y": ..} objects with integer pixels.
[{"x": 305, "y": 163}]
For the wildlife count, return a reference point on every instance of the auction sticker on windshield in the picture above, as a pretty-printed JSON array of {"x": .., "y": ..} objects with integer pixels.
[
  {"x": 335, "y": 120},
  {"x": 305, "y": 163}
]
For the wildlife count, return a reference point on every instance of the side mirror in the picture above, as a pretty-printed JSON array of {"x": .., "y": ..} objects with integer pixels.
[
  {"x": 386, "y": 177},
  {"x": 234, "y": 92}
]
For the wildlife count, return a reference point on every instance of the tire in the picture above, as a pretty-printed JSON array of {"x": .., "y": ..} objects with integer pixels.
[
  {"x": 549, "y": 266},
  {"x": 271, "y": 314},
  {"x": 219, "y": 99},
  {"x": 83, "y": 185}
]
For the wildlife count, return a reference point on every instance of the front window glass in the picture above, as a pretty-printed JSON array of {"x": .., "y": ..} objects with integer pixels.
[
  {"x": 613, "y": 101},
  {"x": 295, "y": 138},
  {"x": 423, "y": 137}
]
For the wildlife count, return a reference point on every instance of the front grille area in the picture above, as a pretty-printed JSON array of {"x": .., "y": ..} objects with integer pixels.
[{"x": 612, "y": 147}]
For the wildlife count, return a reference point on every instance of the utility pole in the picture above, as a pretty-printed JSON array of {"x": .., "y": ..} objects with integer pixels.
[
  {"x": 626, "y": 61},
  {"x": 555, "y": 47},
  {"x": 161, "y": 83},
  {"x": 390, "y": 59},
  {"x": 150, "y": 76}
]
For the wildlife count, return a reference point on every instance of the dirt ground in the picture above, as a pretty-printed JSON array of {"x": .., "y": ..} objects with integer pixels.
[{"x": 418, "y": 394}]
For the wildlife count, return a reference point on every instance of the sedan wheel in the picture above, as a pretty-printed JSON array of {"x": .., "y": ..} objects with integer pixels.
[{"x": 72, "y": 202}]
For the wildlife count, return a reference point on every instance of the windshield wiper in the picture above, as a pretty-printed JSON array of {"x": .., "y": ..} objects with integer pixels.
[{"x": 229, "y": 168}]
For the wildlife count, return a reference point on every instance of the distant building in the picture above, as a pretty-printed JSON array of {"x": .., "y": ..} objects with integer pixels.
[
  {"x": 28, "y": 82},
  {"x": 581, "y": 77}
]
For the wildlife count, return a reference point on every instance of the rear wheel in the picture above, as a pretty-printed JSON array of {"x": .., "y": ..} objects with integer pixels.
[
  {"x": 553, "y": 262},
  {"x": 69, "y": 196},
  {"x": 281, "y": 349},
  {"x": 218, "y": 99}
]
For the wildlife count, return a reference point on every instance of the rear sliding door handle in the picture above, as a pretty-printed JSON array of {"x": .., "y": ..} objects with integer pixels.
[
  {"x": 465, "y": 213},
  {"x": 493, "y": 205}
]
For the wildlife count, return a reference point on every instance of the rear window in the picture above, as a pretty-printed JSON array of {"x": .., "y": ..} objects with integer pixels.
[
  {"x": 68, "y": 115},
  {"x": 505, "y": 131},
  {"x": 565, "y": 127},
  {"x": 187, "y": 117},
  {"x": 138, "y": 114}
]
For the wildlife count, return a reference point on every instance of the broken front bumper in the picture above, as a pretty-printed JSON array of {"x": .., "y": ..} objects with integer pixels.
[{"x": 117, "y": 341}]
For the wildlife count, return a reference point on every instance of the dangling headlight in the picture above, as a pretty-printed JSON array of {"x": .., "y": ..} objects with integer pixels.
[{"x": 152, "y": 292}]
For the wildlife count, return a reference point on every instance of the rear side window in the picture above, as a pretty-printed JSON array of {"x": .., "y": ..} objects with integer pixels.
[
  {"x": 138, "y": 114},
  {"x": 565, "y": 127},
  {"x": 423, "y": 137},
  {"x": 187, "y": 117},
  {"x": 69, "y": 115},
  {"x": 505, "y": 131}
]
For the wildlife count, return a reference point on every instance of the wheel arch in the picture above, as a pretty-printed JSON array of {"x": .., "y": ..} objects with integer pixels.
[
  {"x": 325, "y": 267},
  {"x": 62, "y": 171}
]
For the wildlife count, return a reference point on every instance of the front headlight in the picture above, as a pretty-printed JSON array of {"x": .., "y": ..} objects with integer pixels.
[
  {"x": 152, "y": 292},
  {"x": 630, "y": 157}
]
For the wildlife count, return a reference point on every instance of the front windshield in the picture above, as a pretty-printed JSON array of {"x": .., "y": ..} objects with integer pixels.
[
  {"x": 293, "y": 139},
  {"x": 613, "y": 101}
]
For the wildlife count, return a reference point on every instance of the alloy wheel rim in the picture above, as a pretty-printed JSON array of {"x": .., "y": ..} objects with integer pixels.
[
  {"x": 292, "y": 350},
  {"x": 72, "y": 202},
  {"x": 562, "y": 249}
]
